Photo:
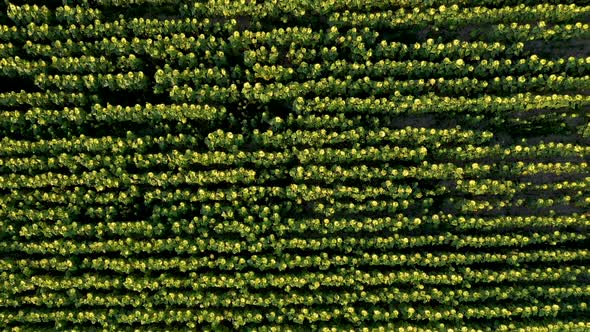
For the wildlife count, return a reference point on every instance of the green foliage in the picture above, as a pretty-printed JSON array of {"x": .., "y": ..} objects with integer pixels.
[{"x": 341, "y": 165}]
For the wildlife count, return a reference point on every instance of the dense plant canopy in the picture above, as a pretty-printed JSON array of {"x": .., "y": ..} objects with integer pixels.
[{"x": 334, "y": 165}]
